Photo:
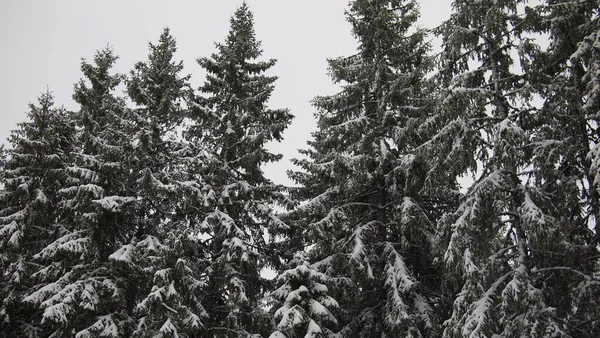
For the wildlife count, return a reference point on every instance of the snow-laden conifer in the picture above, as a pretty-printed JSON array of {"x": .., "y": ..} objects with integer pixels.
[
  {"x": 371, "y": 216},
  {"x": 231, "y": 126},
  {"x": 163, "y": 257},
  {"x": 565, "y": 146},
  {"x": 78, "y": 290},
  {"x": 303, "y": 306},
  {"x": 33, "y": 173},
  {"x": 486, "y": 108}
]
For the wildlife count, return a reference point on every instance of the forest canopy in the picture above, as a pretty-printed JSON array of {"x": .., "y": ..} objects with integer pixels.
[{"x": 147, "y": 213}]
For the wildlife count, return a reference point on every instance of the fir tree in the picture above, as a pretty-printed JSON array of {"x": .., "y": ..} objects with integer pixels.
[
  {"x": 369, "y": 210},
  {"x": 231, "y": 127},
  {"x": 33, "y": 173}
]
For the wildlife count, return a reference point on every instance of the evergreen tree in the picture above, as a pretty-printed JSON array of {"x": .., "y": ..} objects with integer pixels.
[
  {"x": 565, "y": 143},
  {"x": 78, "y": 288},
  {"x": 163, "y": 251},
  {"x": 304, "y": 309},
  {"x": 231, "y": 127},
  {"x": 369, "y": 210},
  {"x": 32, "y": 174},
  {"x": 492, "y": 239}
]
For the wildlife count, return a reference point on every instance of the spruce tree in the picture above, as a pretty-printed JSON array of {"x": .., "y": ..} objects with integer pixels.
[
  {"x": 164, "y": 253},
  {"x": 231, "y": 126},
  {"x": 491, "y": 240},
  {"x": 78, "y": 288},
  {"x": 565, "y": 146},
  {"x": 32, "y": 174},
  {"x": 369, "y": 209},
  {"x": 304, "y": 306}
]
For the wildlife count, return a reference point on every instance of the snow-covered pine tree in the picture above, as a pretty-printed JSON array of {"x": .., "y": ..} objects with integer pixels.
[
  {"x": 303, "y": 306},
  {"x": 483, "y": 112},
  {"x": 78, "y": 288},
  {"x": 164, "y": 253},
  {"x": 566, "y": 148},
  {"x": 368, "y": 210},
  {"x": 33, "y": 172},
  {"x": 232, "y": 125}
]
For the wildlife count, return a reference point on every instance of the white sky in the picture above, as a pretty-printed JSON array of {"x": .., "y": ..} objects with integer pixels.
[{"x": 42, "y": 43}]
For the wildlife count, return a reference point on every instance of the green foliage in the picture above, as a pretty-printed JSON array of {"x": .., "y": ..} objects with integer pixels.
[
  {"x": 368, "y": 208},
  {"x": 231, "y": 125},
  {"x": 156, "y": 219},
  {"x": 34, "y": 170}
]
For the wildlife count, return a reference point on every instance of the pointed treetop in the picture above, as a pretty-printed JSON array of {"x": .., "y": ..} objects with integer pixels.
[
  {"x": 98, "y": 75},
  {"x": 380, "y": 22},
  {"x": 157, "y": 83},
  {"x": 45, "y": 100},
  {"x": 241, "y": 37},
  {"x": 163, "y": 51}
]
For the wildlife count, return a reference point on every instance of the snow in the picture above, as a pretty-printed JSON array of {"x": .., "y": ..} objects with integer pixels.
[
  {"x": 17, "y": 216},
  {"x": 359, "y": 247},
  {"x": 584, "y": 46},
  {"x": 397, "y": 272},
  {"x": 75, "y": 242},
  {"x": 281, "y": 292},
  {"x": 171, "y": 291},
  {"x": 38, "y": 296},
  {"x": 424, "y": 309},
  {"x": 85, "y": 174},
  {"x": 15, "y": 238},
  {"x": 151, "y": 244},
  {"x": 296, "y": 295},
  {"x": 114, "y": 203},
  {"x": 281, "y": 311},
  {"x": 162, "y": 274},
  {"x": 168, "y": 330},
  {"x": 110, "y": 328},
  {"x": 296, "y": 272},
  {"x": 40, "y": 197},
  {"x": 478, "y": 314},
  {"x": 58, "y": 313},
  {"x": 89, "y": 297},
  {"x": 319, "y": 288},
  {"x": 192, "y": 320},
  {"x": 329, "y": 302},
  {"x": 235, "y": 243},
  {"x": 313, "y": 330},
  {"x": 318, "y": 310},
  {"x": 291, "y": 318},
  {"x": 124, "y": 254},
  {"x": 153, "y": 296},
  {"x": 95, "y": 190},
  {"x": 509, "y": 127},
  {"x": 408, "y": 205},
  {"x": 277, "y": 334},
  {"x": 105, "y": 325},
  {"x": 530, "y": 213},
  {"x": 468, "y": 265}
]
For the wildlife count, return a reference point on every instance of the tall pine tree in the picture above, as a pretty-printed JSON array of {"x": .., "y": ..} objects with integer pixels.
[
  {"x": 492, "y": 240},
  {"x": 369, "y": 210},
  {"x": 78, "y": 288},
  {"x": 232, "y": 126},
  {"x": 565, "y": 142},
  {"x": 33, "y": 173},
  {"x": 162, "y": 259}
]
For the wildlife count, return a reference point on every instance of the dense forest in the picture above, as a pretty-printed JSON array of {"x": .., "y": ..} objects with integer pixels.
[{"x": 147, "y": 213}]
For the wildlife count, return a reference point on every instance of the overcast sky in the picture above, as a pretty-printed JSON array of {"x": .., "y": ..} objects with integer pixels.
[{"x": 42, "y": 43}]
